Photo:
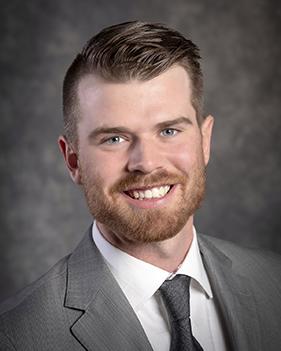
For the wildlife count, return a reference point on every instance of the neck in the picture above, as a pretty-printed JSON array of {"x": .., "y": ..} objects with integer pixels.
[{"x": 167, "y": 255}]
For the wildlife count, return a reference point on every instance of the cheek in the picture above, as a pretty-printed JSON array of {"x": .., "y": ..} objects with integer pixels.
[
  {"x": 183, "y": 157},
  {"x": 107, "y": 167}
]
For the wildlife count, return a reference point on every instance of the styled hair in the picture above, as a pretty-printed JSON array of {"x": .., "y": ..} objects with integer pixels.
[{"x": 128, "y": 51}]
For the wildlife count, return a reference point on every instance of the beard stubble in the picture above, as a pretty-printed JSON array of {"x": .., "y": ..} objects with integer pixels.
[{"x": 138, "y": 225}]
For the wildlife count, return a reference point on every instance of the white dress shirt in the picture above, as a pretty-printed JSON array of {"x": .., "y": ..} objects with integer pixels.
[{"x": 140, "y": 281}]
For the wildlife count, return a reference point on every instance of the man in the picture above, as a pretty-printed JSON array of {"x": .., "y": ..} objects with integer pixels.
[{"x": 137, "y": 143}]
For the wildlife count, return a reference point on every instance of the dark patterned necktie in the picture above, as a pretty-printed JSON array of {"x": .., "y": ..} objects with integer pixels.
[{"x": 175, "y": 293}]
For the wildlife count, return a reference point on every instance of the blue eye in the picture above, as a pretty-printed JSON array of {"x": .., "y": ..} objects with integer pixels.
[
  {"x": 169, "y": 132},
  {"x": 116, "y": 139}
]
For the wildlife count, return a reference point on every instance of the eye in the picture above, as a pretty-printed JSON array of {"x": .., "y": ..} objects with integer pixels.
[
  {"x": 116, "y": 139},
  {"x": 169, "y": 132}
]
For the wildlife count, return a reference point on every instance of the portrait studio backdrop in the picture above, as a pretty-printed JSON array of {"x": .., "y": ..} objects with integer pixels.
[{"x": 43, "y": 215}]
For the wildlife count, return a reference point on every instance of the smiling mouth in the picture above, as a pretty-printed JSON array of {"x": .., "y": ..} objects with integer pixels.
[{"x": 156, "y": 192}]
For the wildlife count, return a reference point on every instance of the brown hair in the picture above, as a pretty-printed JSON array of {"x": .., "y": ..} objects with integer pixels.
[{"x": 126, "y": 51}]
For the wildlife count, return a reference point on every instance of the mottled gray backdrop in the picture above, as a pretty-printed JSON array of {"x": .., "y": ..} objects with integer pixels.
[{"x": 43, "y": 214}]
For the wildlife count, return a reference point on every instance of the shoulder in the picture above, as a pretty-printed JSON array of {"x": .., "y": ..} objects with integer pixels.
[
  {"x": 44, "y": 291},
  {"x": 248, "y": 261}
]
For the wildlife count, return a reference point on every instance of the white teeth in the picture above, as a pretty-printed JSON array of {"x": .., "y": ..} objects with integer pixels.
[
  {"x": 156, "y": 192},
  {"x": 148, "y": 194},
  {"x": 136, "y": 195},
  {"x": 162, "y": 191}
]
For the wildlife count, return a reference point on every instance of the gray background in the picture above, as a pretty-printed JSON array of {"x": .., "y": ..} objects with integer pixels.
[{"x": 43, "y": 215}]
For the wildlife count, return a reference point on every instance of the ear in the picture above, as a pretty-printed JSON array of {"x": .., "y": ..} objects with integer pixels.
[
  {"x": 206, "y": 132},
  {"x": 70, "y": 158}
]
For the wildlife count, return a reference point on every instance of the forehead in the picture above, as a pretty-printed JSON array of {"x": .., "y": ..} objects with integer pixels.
[{"x": 163, "y": 97}]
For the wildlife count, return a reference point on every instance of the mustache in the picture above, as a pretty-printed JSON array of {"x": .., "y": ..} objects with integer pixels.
[{"x": 137, "y": 181}]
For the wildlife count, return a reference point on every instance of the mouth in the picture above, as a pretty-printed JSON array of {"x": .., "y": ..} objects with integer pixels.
[{"x": 153, "y": 192}]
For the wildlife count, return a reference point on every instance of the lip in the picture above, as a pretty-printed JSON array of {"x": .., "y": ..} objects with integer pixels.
[{"x": 151, "y": 203}]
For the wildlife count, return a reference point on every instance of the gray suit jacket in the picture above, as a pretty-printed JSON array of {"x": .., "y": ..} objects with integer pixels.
[{"x": 78, "y": 305}]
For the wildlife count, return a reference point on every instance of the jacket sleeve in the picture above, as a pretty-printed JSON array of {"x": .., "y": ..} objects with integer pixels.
[{"x": 5, "y": 343}]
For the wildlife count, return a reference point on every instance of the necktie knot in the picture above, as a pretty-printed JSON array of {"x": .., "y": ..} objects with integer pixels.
[{"x": 175, "y": 293}]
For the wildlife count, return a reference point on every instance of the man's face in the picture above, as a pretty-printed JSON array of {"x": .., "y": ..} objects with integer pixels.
[{"x": 141, "y": 155}]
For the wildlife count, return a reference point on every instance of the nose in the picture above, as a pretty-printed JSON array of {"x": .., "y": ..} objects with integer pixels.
[{"x": 144, "y": 157}]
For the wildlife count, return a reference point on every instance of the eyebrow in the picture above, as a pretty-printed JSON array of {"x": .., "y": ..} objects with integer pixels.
[
  {"x": 172, "y": 122},
  {"x": 120, "y": 129}
]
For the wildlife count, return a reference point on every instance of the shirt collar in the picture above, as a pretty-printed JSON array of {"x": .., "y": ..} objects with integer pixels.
[
  {"x": 193, "y": 266},
  {"x": 140, "y": 280}
]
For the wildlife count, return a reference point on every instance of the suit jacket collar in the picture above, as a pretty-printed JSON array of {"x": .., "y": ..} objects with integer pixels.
[
  {"x": 234, "y": 297},
  {"x": 108, "y": 322}
]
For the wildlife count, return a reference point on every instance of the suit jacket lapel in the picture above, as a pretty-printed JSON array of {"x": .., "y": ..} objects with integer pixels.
[
  {"x": 108, "y": 321},
  {"x": 102, "y": 319},
  {"x": 233, "y": 296}
]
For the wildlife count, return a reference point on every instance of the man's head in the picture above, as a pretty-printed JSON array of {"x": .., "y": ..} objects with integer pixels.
[
  {"x": 135, "y": 137},
  {"x": 129, "y": 51}
]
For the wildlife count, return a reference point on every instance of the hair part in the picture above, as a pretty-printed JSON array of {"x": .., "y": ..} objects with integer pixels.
[{"x": 129, "y": 51}]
